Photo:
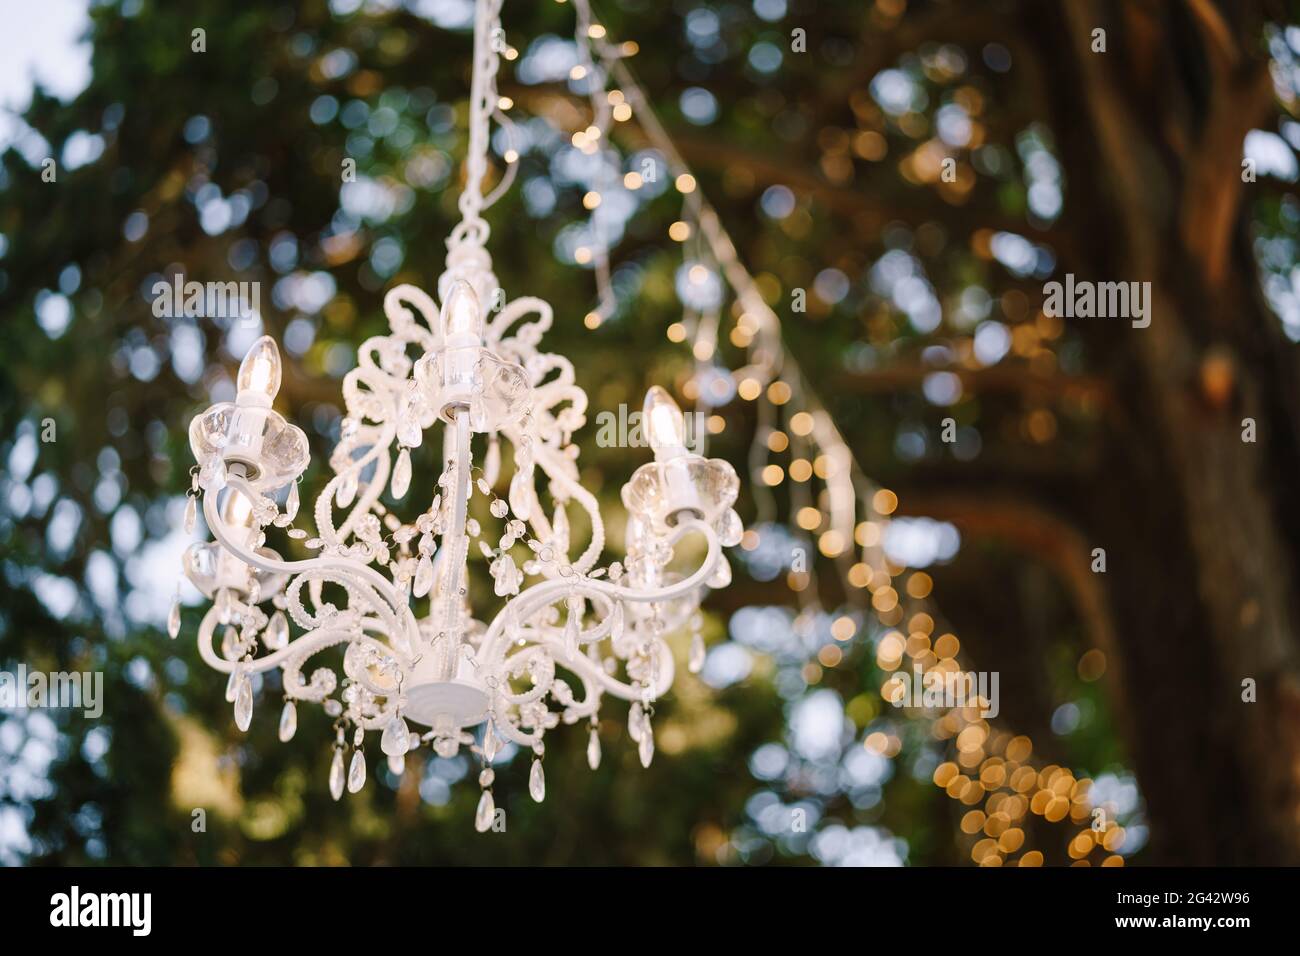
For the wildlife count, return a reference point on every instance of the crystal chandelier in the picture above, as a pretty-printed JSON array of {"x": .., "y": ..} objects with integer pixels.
[{"x": 418, "y": 666}]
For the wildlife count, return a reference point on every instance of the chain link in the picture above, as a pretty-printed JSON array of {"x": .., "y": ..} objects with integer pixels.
[{"x": 489, "y": 42}]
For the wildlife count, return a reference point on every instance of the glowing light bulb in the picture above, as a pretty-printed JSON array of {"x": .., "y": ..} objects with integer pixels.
[
  {"x": 462, "y": 319},
  {"x": 664, "y": 424},
  {"x": 259, "y": 373},
  {"x": 237, "y": 511}
]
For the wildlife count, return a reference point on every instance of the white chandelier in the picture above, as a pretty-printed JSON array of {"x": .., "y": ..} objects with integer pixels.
[{"x": 446, "y": 671}]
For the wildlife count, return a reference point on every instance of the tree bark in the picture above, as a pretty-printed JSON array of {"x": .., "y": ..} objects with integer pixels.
[{"x": 1198, "y": 524}]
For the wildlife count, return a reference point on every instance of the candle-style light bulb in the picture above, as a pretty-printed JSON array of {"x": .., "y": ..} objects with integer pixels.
[
  {"x": 259, "y": 373},
  {"x": 238, "y": 511},
  {"x": 237, "y": 516},
  {"x": 462, "y": 319},
  {"x": 664, "y": 424}
]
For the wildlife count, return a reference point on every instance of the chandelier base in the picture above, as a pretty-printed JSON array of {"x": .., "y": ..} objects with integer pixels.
[{"x": 435, "y": 701}]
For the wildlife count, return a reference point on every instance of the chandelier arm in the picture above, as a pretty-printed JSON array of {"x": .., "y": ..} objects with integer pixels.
[
  {"x": 513, "y": 311},
  {"x": 368, "y": 600},
  {"x": 306, "y": 644},
  {"x": 508, "y": 729},
  {"x": 366, "y": 596},
  {"x": 534, "y": 598},
  {"x": 403, "y": 304},
  {"x": 324, "y": 612},
  {"x": 323, "y": 511},
  {"x": 590, "y": 674},
  {"x": 602, "y": 628},
  {"x": 293, "y": 657},
  {"x": 345, "y": 565},
  {"x": 588, "y": 558},
  {"x": 367, "y": 632},
  {"x": 366, "y": 499},
  {"x": 380, "y": 383},
  {"x": 555, "y": 467},
  {"x": 341, "y": 565},
  {"x": 519, "y": 662},
  {"x": 576, "y": 709},
  {"x": 535, "y": 634},
  {"x": 585, "y": 667}
]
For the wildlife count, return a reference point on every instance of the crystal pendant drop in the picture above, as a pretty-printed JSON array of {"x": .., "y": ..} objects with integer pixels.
[
  {"x": 521, "y": 502},
  {"x": 232, "y": 684},
  {"x": 505, "y": 576},
  {"x": 635, "y": 718},
  {"x": 491, "y": 744},
  {"x": 397, "y": 765},
  {"x": 423, "y": 576},
  {"x": 721, "y": 576},
  {"x": 696, "y": 662},
  {"x": 402, "y": 474},
  {"x": 174, "y": 618},
  {"x": 288, "y": 721},
  {"x": 486, "y": 811},
  {"x": 276, "y": 635},
  {"x": 616, "y": 620},
  {"x": 646, "y": 746},
  {"x": 636, "y": 721},
  {"x": 244, "y": 703},
  {"x": 212, "y": 476},
  {"x": 395, "y": 737},
  {"x": 537, "y": 782},
  {"x": 347, "y": 490},
  {"x": 230, "y": 644},
  {"x": 336, "y": 774},
  {"x": 593, "y": 749},
  {"x": 730, "y": 530},
  {"x": 191, "y": 512},
  {"x": 356, "y": 772},
  {"x": 408, "y": 428},
  {"x": 291, "y": 503}
]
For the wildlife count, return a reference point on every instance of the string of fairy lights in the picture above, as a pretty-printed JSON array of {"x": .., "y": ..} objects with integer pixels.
[{"x": 797, "y": 448}]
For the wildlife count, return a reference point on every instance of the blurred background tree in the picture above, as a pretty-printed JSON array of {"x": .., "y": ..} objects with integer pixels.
[{"x": 826, "y": 160}]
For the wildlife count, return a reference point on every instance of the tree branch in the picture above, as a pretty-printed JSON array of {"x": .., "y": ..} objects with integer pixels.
[
  {"x": 1055, "y": 542},
  {"x": 1087, "y": 389}
]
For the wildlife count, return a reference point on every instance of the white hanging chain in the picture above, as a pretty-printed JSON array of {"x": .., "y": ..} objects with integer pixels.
[{"x": 488, "y": 43}]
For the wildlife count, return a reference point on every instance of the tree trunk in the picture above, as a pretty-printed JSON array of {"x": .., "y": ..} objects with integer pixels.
[{"x": 1199, "y": 525}]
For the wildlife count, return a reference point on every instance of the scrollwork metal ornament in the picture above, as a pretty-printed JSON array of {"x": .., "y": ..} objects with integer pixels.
[{"x": 567, "y": 633}]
